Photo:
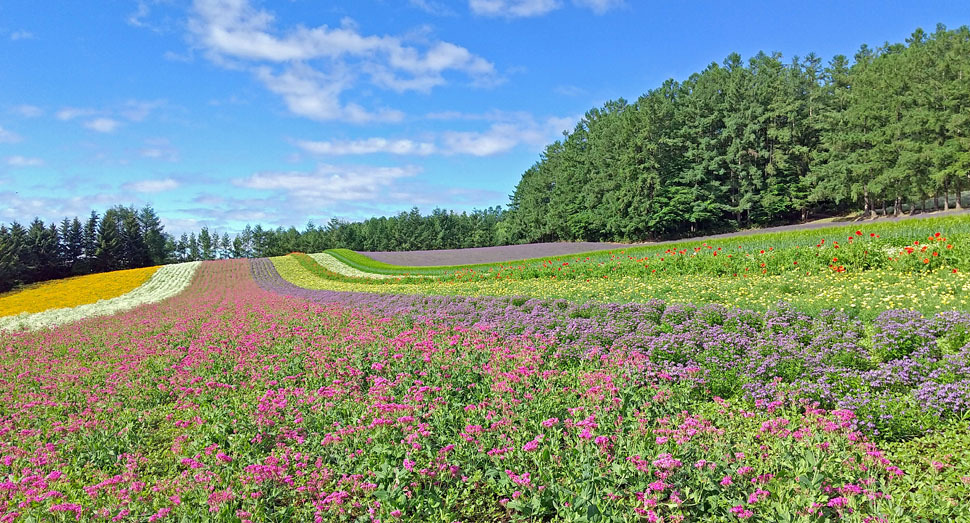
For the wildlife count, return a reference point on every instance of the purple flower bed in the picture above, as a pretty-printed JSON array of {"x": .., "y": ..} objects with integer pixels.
[{"x": 902, "y": 375}]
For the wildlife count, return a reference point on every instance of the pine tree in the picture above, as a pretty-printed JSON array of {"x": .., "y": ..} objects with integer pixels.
[
  {"x": 109, "y": 251},
  {"x": 154, "y": 235}
]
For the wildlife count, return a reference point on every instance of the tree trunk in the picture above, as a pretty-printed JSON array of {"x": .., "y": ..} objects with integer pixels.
[
  {"x": 946, "y": 195},
  {"x": 898, "y": 206},
  {"x": 866, "y": 203},
  {"x": 936, "y": 201},
  {"x": 884, "y": 211}
]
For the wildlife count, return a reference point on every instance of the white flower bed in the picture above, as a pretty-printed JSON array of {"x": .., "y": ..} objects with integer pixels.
[
  {"x": 334, "y": 265},
  {"x": 167, "y": 281}
]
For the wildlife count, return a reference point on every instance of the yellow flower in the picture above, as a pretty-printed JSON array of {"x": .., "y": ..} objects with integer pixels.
[{"x": 72, "y": 292}]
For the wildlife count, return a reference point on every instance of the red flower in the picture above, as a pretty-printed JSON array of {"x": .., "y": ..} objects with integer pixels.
[
  {"x": 926, "y": 260},
  {"x": 858, "y": 233}
]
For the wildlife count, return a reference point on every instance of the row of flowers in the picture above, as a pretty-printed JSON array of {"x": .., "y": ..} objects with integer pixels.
[
  {"x": 71, "y": 292},
  {"x": 163, "y": 283}
]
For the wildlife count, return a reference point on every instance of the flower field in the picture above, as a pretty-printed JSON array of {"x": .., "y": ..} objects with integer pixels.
[
  {"x": 72, "y": 292},
  {"x": 163, "y": 283},
  {"x": 294, "y": 389}
]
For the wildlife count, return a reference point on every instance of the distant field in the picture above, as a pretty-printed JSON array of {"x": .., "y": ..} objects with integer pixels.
[{"x": 488, "y": 254}]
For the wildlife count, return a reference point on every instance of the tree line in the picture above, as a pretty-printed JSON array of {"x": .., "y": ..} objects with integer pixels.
[
  {"x": 761, "y": 142},
  {"x": 128, "y": 238},
  {"x": 736, "y": 145}
]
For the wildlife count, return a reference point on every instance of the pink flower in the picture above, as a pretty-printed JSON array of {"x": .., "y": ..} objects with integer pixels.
[
  {"x": 727, "y": 481},
  {"x": 741, "y": 512},
  {"x": 838, "y": 502}
]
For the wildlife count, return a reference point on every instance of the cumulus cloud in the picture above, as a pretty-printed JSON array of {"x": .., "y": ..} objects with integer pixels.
[
  {"x": 23, "y": 161},
  {"x": 506, "y": 132},
  {"x": 151, "y": 186},
  {"x": 8, "y": 136},
  {"x": 367, "y": 146},
  {"x": 102, "y": 125},
  {"x": 504, "y": 136},
  {"x": 315, "y": 95},
  {"x": 330, "y": 183},
  {"x": 18, "y": 207},
  {"x": 312, "y": 68}
]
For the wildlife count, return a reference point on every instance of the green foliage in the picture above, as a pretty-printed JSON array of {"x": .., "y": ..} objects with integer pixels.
[{"x": 753, "y": 143}]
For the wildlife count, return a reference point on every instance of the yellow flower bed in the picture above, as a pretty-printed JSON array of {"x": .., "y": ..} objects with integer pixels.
[{"x": 72, "y": 292}]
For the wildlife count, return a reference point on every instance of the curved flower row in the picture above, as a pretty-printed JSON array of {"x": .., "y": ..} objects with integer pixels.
[
  {"x": 71, "y": 292},
  {"x": 166, "y": 282},
  {"x": 334, "y": 265}
]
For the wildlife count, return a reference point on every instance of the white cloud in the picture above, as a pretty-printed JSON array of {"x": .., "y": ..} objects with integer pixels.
[
  {"x": 28, "y": 111},
  {"x": 513, "y": 8},
  {"x": 314, "y": 95},
  {"x": 432, "y": 7},
  {"x": 8, "y": 136},
  {"x": 22, "y": 207},
  {"x": 530, "y": 8},
  {"x": 504, "y": 136},
  {"x": 159, "y": 149},
  {"x": 600, "y": 6},
  {"x": 313, "y": 68},
  {"x": 102, "y": 125},
  {"x": 330, "y": 183},
  {"x": 21, "y": 35},
  {"x": 137, "y": 18},
  {"x": 24, "y": 161},
  {"x": 367, "y": 146},
  {"x": 138, "y": 110},
  {"x": 70, "y": 113},
  {"x": 508, "y": 131},
  {"x": 151, "y": 186}
]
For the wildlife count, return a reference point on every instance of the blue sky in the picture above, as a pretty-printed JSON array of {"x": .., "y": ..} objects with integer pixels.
[{"x": 226, "y": 112}]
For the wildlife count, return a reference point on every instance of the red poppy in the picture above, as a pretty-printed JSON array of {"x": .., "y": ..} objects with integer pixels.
[
  {"x": 926, "y": 260},
  {"x": 858, "y": 233}
]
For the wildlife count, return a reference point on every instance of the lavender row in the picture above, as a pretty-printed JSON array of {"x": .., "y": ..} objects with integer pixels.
[{"x": 902, "y": 374}]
